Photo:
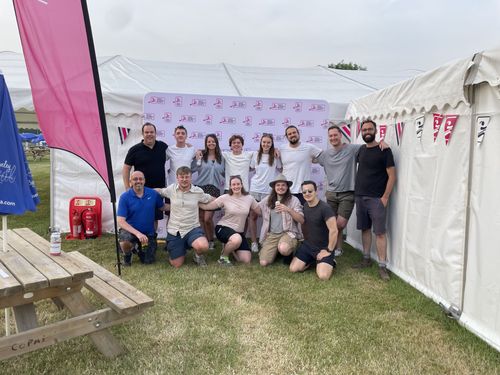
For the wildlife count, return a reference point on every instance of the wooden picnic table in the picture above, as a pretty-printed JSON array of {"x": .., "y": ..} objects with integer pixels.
[{"x": 28, "y": 273}]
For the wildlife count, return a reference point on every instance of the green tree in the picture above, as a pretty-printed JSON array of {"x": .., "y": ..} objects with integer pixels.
[{"x": 346, "y": 66}]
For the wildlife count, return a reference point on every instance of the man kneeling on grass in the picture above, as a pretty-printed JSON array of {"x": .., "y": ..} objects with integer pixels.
[
  {"x": 136, "y": 219},
  {"x": 321, "y": 228},
  {"x": 183, "y": 229}
]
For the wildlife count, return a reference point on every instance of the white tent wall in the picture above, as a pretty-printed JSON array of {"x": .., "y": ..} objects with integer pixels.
[
  {"x": 443, "y": 216},
  {"x": 481, "y": 309}
]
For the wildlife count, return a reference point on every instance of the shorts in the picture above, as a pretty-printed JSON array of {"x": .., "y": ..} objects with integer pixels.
[
  {"x": 258, "y": 196},
  {"x": 341, "y": 203},
  {"x": 212, "y": 190},
  {"x": 307, "y": 253},
  {"x": 270, "y": 245},
  {"x": 300, "y": 197},
  {"x": 370, "y": 213},
  {"x": 146, "y": 255},
  {"x": 223, "y": 233},
  {"x": 177, "y": 246}
]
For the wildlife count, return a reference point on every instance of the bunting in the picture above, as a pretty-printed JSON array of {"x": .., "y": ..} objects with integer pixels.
[
  {"x": 449, "y": 125},
  {"x": 399, "y": 127},
  {"x": 419, "y": 126},
  {"x": 438, "y": 120},
  {"x": 482, "y": 124}
]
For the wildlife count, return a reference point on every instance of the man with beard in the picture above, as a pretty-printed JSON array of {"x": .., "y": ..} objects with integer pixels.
[
  {"x": 135, "y": 217},
  {"x": 374, "y": 182},
  {"x": 149, "y": 157},
  {"x": 339, "y": 163},
  {"x": 296, "y": 158}
]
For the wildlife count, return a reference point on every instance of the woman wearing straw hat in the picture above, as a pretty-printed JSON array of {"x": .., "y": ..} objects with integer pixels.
[{"x": 281, "y": 216}]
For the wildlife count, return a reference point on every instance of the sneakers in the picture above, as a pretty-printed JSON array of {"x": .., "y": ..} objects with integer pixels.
[
  {"x": 200, "y": 260},
  {"x": 365, "y": 263},
  {"x": 211, "y": 245},
  {"x": 383, "y": 273},
  {"x": 127, "y": 259},
  {"x": 225, "y": 262},
  {"x": 255, "y": 247},
  {"x": 338, "y": 252}
]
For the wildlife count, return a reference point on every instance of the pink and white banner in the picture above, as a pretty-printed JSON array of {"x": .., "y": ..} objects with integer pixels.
[
  {"x": 58, "y": 58},
  {"x": 449, "y": 124},
  {"x": 247, "y": 116},
  {"x": 382, "y": 130}
]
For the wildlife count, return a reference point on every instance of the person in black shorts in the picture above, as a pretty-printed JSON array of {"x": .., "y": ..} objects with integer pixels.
[
  {"x": 321, "y": 226},
  {"x": 149, "y": 157},
  {"x": 374, "y": 182}
]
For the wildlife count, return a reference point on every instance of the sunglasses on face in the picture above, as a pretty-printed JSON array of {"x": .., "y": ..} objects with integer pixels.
[{"x": 307, "y": 191}]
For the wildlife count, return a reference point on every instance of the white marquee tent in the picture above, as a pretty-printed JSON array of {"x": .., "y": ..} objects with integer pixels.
[
  {"x": 444, "y": 217},
  {"x": 125, "y": 81}
]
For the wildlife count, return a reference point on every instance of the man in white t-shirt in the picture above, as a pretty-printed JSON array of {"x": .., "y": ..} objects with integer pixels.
[
  {"x": 180, "y": 155},
  {"x": 237, "y": 161},
  {"x": 296, "y": 158}
]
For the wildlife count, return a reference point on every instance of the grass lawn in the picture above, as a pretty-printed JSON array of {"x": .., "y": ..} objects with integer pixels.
[{"x": 251, "y": 320}]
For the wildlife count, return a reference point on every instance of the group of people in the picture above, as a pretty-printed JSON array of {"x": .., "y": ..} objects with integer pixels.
[{"x": 295, "y": 223}]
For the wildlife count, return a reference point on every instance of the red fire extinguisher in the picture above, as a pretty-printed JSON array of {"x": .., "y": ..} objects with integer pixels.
[
  {"x": 89, "y": 223},
  {"x": 76, "y": 225}
]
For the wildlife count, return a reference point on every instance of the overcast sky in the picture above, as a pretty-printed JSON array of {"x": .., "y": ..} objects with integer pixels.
[{"x": 380, "y": 34}]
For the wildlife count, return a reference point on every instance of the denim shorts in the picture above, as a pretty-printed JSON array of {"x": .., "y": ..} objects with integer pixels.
[
  {"x": 178, "y": 246},
  {"x": 370, "y": 212}
]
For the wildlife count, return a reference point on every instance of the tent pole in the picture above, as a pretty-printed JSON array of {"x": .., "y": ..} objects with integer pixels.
[{"x": 51, "y": 179}]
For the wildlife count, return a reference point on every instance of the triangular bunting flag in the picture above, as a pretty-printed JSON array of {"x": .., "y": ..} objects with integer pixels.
[
  {"x": 449, "y": 125},
  {"x": 358, "y": 128},
  {"x": 124, "y": 132},
  {"x": 438, "y": 120},
  {"x": 399, "y": 127},
  {"x": 382, "y": 131},
  {"x": 419, "y": 126},
  {"x": 345, "y": 129},
  {"x": 482, "y": 124}
]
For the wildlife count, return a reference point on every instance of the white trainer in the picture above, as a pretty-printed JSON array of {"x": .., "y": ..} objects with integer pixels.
[{"x": 255, "y": 247}]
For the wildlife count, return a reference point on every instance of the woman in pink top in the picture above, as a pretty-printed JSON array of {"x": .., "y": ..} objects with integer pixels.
[{"x": 231, "y": 227}]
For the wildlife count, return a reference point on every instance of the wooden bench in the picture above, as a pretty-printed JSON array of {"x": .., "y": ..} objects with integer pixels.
[{"x": 28, "y": 274}]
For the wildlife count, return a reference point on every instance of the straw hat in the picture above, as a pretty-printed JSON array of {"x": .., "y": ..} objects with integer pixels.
[{"x": 280, "y": 178}]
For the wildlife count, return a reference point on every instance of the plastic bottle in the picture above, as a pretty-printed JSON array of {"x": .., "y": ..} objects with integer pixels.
[{"x": 55, "y": 241}]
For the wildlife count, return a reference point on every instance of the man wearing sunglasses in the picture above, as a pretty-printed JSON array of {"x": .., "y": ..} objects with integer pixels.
[
  {"x": 321, "y": 226},
  {"x": 374, "y": 182}
]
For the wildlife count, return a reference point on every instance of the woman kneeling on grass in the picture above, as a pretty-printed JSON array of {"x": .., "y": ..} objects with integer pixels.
[{"x": 230, "y": 229}]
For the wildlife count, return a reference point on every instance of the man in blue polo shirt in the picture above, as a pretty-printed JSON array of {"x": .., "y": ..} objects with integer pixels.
[{"x": 136, "y": 217}]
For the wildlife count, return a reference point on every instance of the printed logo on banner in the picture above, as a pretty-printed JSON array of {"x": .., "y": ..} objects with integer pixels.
[
  {"x": 247, "y": 121},
  {"x": 287, "y": 121},
  {"x": 219, "y": 103},
  {"x": 148, "y": 116},
  {"x": 227, "y": 120},
  {"x": 314, "y": 139},
  {"x": 177, "y": 101},
  {"x": 325, "y": 123},
  {"x": 297, "y": 107},
  {"x": 160, "y": 133},
  {"x": 238, "y": 104},
  {"x": 187, "y": 118},
  {"x": 382, "y": 131},
  {"x": 317, "y": 107},
  {"x": 167, "y": 117},
  {"x": 156, "y": 100},
  {"x": 218, "y": 135},
  {"x": 280, "y": 138},
  {"x": 306, "y": 123},
  {"x": 256, "y": 137},
  {"x": 438, "y": 120},
  {"x": 198, "y": 103},
  {"x": 315, "y": 170},
  {"x": 278, "y": 107},
  {"x": 197, "y": 135},
  {"x": 449, "y": 124},
  {"x": 266, "y": 122},
  {"x": 208, "y": 119},
  {"x": 259, "y": 104},
  {"x": 321, "y": 186},
  {"x": 482, "y": 124},
  {"x": 419, "y": 126}
]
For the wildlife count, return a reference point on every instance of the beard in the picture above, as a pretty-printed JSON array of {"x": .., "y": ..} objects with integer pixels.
[
  {"x": 368, "y": 137},
  {"x": 293, "y": 141}
]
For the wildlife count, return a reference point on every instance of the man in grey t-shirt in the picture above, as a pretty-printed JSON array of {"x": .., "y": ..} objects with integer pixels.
[{"x": 339, "y": 163}]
